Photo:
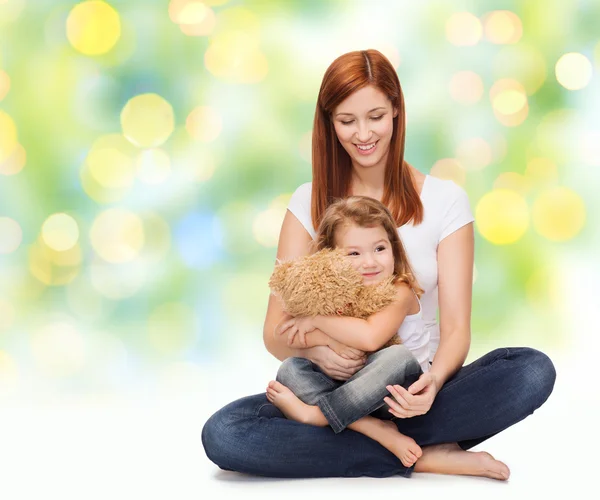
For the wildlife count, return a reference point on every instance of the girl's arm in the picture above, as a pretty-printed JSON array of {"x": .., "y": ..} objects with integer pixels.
[{"x": 372, "y": 333}]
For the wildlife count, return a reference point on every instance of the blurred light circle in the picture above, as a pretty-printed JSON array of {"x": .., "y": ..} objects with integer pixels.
[
  {"x": 147, "y": 120},
  {"x": 499, "y": 146},
  {"x": 204, "y": 124},
  {"x": 391, "y": 52},
  {"x": 10, "y": 10},
  {"x": 466, "y": 87},
  {"x": 502, "y": 26},
  {"x": 4, "y": 84},
  {"x": 590, "y": 148},
  {"x": 267, "y": 226},
  {"x": 202, "y": 28},
  {"x": 521, "y": 63},
  {"x": 153, "y": 166},
  {"x": 463, "y": 29},
  {"x": 117, "y": 235},
  {"x": 573, "y": 71},
  {"x": 171, "y": 328},
  {"x": 8, "y": 136},
  {"x": 93, "y": 27},
  {"x": 111, "y": 168},
  {"x": 199, "y": 240},
  {"x": 540, "y": 171},
  {"x": 7, "y": 315},
  {"x": 512, "y": 181},
  {"x": 51, "y": 267},
  {"x": 557, "y": 134},
  {"x": 12, "y": 235},
  {"x": 234, "y": 57},
  {"x": 474, "y": 153},
  {"x": 450, "y": 169},
  {"x": 502, "y": 216},
  {"x": 118, "y": 281},
  {"x": 60, "y": 232},
  {"x": 15, "y": 162},
  {"x": 59, "y": 349},
  {"x": 559, "y": 214},
  {"x": 509, "y": 102}
]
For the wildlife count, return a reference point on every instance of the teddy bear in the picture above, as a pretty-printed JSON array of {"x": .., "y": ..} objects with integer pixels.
[{"x": 325, "y": 283}]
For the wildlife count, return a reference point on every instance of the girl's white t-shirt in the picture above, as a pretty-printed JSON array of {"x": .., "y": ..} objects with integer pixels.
[{"x": 445, "y": 209}]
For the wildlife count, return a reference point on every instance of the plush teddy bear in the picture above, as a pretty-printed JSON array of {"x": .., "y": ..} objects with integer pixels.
[{"x": 325, "y": 283}]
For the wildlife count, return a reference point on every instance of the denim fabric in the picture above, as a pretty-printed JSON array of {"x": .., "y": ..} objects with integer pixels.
[
  {"x": 251, "y": 435},
  {"x": 360, "y": 395}
]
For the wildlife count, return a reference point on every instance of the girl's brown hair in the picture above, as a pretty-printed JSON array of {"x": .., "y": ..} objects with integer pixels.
[
  {"x": 363, "y": 211},
  {"x": 332, "y": 166}
]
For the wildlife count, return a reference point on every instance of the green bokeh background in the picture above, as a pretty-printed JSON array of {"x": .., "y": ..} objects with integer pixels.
[{"x": 202, "y": 272}]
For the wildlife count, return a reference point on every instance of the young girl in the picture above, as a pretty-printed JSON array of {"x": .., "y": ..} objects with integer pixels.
[{"x": 365, "y": 229}]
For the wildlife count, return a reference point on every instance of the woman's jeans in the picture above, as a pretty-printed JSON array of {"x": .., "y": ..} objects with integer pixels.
[
  {"x": 345, "y": 402},
  {"x": 483, "y": 398}
]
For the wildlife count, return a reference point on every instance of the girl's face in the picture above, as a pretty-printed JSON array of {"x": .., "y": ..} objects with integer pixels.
[
  {"x": 364, "y": 124},
  {"x": 369, "y": 250}
]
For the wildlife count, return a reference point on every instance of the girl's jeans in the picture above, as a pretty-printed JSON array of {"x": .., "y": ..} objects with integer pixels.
[
  {"x": 251, "y": 435},
  {"x": 362, "y": 394}
]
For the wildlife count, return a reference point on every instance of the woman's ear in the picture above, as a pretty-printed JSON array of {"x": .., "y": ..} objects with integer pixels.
[{"x": 395, "y": 112}]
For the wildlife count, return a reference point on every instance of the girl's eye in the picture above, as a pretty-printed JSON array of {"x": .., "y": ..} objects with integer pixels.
[
  {"x": 380, "y": 248},
  {"x": 353, "y": 253}
]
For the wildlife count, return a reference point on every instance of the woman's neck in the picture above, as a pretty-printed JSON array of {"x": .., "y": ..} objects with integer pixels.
[{"x": 367, "y": 182}]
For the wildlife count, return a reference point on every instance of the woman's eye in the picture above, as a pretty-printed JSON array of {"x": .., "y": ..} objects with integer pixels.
[
  {"x": 377, "y": 117},
  {"x": 347, "y": 123}
]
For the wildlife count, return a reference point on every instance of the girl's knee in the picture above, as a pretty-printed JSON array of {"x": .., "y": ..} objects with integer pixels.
[{"x": 289, "y": 370}]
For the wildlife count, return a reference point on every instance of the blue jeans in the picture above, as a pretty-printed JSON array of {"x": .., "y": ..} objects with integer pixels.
[
  {"x": 503, "y": 387},
  {"x": 361, "y": 395}
]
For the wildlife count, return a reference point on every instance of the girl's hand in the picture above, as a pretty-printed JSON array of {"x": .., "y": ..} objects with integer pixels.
[
  {"x": 346, "y": 352},
  {"x": 417, "y": 400},
  {"x": 299, "y": 326},
  {"x": 332, "y": 364}
]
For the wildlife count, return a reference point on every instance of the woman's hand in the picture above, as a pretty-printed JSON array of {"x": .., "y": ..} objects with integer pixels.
[
  {"x": 345, "y": 351},
  {"x": 332, "y": 364},
  {"x": 417, "y": 400}
]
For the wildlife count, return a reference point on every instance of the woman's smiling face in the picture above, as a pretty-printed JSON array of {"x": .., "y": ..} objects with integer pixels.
[{"x": 364, "y": 123}]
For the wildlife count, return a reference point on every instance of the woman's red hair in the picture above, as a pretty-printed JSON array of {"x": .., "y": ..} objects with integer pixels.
[{"x": 331, "y": 163}]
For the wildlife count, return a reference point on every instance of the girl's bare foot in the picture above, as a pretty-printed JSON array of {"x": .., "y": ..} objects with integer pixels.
[
  {"x": 292, "y": 407},
  {"x": 404, "y": 447},
  {"x": 450, "y": 458}
]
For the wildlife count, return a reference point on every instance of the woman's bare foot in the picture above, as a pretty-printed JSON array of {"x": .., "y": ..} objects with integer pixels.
[
  {"x": 452, "y": 459},
  {"x": 292, "y": 407},
  {"x": 404, "y": 447}
]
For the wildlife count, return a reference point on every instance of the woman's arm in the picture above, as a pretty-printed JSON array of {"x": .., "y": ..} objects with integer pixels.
[
  {"x": 294, "y": 241},
  {"x": 455, "y": 288},
  {"x": 372, "y": 333},
  {"x": 455, "y": 283}
]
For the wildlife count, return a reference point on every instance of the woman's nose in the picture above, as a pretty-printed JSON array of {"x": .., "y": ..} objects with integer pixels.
[{"x": 363, "y": 134}]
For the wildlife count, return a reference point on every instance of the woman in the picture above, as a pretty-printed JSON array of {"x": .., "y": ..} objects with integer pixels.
[{"x": 358, "y": 149}]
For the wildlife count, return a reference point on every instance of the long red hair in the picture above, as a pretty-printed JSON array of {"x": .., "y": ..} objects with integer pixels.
[{"x": 331, "y": 163}]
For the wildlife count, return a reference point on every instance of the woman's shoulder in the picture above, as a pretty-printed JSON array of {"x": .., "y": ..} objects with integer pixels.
[
  {"x": 299, "y": 205},
  {"x": 443, "y": 189}
]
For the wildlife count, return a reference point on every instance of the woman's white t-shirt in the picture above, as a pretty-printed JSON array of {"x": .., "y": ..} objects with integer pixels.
[{"x": 445, "y": 209}]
